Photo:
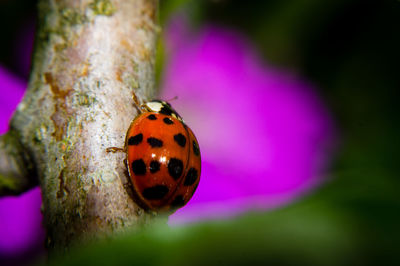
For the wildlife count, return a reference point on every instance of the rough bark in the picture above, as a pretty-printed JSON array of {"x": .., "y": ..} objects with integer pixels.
[{"x": 89, "y": 57}]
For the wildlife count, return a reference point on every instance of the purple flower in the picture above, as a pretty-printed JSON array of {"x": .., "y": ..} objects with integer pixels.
[
  {"x": 12, "y": 90},
  {"x": 20, "y": 218},
  {"x": 263, "y": 132}
]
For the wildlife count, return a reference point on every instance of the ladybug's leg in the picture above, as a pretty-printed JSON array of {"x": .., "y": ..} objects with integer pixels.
[
  {"x": 138, "y": 105},
  {"x": 115, "y": 149},
  {"x": 135, "y": 99}
]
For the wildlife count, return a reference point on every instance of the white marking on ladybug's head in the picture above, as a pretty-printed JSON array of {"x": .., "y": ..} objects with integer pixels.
[
  {"x": 162, "y": 107},
  {"x": 154, "y": 106}
]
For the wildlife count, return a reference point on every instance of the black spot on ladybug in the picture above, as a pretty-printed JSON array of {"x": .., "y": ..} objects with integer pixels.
[
  {"x": 166, "y": 111},
  {"x": 179, "y": 201},
  {"x": 191, "y": 177},
  {"x": 154, "y": 166},
  {"x": 155, "y": 143},
  {"x": 139, "y": 167},
  {"x": 135, "y": 140},
  {"x": 180, "y": 139},
  {"x": 152, "y": 117},
  {"x": 175, "y": 168},
  {"x": 156, "y": 192},
  {"x": 196, "y": 149},
  {"x": 168, "y": 121}
]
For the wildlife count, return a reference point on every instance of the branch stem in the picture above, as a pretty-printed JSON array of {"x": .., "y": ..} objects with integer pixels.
[{"x": 90, "y": 56}]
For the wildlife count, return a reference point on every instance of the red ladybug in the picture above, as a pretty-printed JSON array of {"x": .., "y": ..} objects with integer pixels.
[{"x": 163, "y": 157}]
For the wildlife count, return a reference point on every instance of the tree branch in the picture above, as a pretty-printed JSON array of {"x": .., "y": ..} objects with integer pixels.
[
  {"x": 89, "y": 57},
  {"x": 17, "y": 173}
]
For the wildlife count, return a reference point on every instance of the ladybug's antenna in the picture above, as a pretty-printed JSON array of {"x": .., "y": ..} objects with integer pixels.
[
  {"x": 172, "y": 99},
  {"x": 136, "y": 102}
]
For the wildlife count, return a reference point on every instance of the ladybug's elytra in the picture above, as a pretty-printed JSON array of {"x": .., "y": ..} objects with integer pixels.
[{"x": 162, "y": 156}]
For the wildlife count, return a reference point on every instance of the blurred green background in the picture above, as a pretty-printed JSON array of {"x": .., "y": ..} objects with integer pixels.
[{"x": 350, "y": 50}]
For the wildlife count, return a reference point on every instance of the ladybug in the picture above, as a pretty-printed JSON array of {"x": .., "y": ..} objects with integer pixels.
[{"x": 162, "y": 156}]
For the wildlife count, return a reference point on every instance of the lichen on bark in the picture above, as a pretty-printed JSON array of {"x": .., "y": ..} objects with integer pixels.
[{"x": 90, "y": 55}]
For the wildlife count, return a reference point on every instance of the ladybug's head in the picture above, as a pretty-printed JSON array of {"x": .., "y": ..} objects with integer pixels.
[{"x": 162, "y": 107}]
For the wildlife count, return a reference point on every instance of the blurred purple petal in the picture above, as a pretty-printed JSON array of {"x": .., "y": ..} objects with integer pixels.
[
  {"x": 20, "y": 217},
  {"x": 20, "y": 223},
  {"x": 263, "y": 133},
  {"x": 12, "y": 90}
]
